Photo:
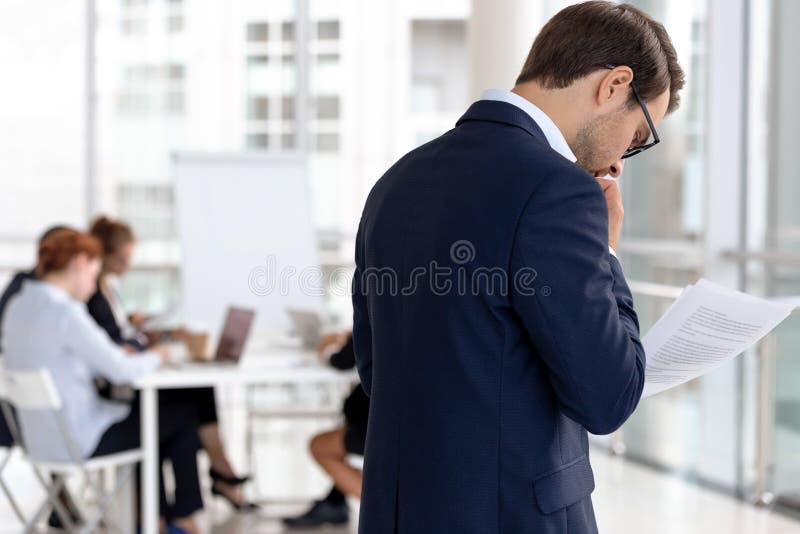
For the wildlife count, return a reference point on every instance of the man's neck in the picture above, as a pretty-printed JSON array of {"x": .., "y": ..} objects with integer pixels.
[{"x": 554, "y": 104}]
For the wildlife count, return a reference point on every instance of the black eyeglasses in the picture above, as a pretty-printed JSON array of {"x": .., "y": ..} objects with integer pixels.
[{"x": 641, "y": 148}]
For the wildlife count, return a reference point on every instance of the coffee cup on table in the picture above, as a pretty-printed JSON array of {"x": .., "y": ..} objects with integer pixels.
[{"x": 197, "y": 344}]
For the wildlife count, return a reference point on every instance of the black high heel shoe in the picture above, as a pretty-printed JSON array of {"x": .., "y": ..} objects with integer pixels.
[
  {"x": 244, "y": 506},
  {"x": 216, "y": 476}
]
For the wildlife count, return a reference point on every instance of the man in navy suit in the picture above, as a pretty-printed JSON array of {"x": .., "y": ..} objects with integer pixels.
[{"x": 493, "y": 326}]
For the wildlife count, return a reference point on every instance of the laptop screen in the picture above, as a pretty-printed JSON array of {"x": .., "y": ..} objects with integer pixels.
[{"x": 234, "y": 334}]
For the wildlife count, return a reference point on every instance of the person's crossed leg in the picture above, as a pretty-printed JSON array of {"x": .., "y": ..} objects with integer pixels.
[{"x": 330, "y": 450}]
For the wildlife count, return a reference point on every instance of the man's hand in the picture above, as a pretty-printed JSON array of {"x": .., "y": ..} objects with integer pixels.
[{"x": 615, "y": 210}]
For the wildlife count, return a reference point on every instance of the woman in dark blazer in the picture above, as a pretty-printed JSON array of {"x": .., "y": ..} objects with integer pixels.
[
  {"x": 118, "y": 242},
  {"x": 330, "y": 449}
]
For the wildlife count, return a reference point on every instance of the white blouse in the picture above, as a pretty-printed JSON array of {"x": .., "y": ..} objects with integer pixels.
[
  {"x": 127, "y": 330},
  {"x": 44, "y": 327}
]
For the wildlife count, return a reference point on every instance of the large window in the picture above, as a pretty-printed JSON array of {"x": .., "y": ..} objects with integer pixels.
[
  {"x": 284, "y": 76},
  {"x": 664, "y": 195},
  {"x": 782, "y": 263},
  {"x": 271, "y": 72},
  {"x": 716, "y": 199},
  {"x": 43, "y": 113},
  {"x": 439, "y": 75}
]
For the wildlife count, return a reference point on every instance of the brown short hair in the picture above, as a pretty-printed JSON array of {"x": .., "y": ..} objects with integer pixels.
[
  {"x": 586, "y": 37},
  {"x": 111, "y": 233},
  {"x": 58, "y": 249}
]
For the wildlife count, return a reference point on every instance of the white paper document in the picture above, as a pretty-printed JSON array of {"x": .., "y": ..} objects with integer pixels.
[
  {"x": 161, "y": 321},
  {"x": 704, "y": 328}
]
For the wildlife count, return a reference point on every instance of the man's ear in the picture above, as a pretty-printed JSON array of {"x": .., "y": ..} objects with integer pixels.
[{"x": 614, "y": 87}]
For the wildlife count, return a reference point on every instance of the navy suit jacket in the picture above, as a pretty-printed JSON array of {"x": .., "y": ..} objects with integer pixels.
[{"x": 482, "y": 395}]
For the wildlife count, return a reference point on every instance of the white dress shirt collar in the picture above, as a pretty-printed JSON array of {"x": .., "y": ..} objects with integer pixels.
[{"x": 551, "y": 132}]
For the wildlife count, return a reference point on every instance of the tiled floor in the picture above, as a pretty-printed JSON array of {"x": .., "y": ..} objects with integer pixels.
[
  {"x": 629, "y": 499},
  {"x": 632, "y": 499}
]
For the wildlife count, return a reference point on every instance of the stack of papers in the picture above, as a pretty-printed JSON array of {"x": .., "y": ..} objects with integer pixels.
[{"x": 704, "y": 328}]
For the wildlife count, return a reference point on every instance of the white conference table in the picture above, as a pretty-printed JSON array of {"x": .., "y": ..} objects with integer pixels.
[{"x": 275, "y": 366}]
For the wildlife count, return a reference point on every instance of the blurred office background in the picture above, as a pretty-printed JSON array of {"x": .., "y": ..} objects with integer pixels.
[{"x": 97, "y": 96}]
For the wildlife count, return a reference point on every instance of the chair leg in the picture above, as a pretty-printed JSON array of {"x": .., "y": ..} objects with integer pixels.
[
  {"x": 7, "y": 491},
  {"x": 97, "y": 490},
  {"x": 105, "y": 501},
  {"x": 51, "y": 495},
  {"x": 10, "y": 496},
  {"x": 41, "y": 512},
  {"x": 123, "y": 491},
  {"x": 30, "y": 526},
  {"x": 125, "y": 502},
  {"x": 12, "y": 501}
]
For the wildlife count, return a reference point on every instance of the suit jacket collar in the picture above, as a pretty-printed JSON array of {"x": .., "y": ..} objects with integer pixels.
[{"x": 503, "y": 113}]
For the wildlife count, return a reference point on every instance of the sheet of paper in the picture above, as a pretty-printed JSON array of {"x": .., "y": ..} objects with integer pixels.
[
  {"x": 162, "y": 320},
  {"x": 705, "y": 327}
]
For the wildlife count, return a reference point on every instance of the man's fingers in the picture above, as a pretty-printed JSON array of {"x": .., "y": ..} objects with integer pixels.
[
  {"x": 610, "y": 187},
  {"x": 615, "y": 210}
]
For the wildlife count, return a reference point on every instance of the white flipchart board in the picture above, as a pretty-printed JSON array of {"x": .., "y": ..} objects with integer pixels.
[{"x": 243, "y": 218}]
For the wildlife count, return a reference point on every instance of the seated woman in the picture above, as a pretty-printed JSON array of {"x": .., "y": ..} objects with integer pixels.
[
  {"x": 118, "y": 242},
  {"x": 46, "y": 326},
  {"x": 6, "y": 439},
  {"x": 330, "y": 449}
]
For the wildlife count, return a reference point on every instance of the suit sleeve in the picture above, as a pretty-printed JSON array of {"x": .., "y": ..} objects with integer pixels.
[
  {"x": 362, "y": 330},
  {"x": 578, "y": 310}
]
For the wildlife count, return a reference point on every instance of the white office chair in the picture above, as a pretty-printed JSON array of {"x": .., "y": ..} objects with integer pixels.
[
  {"x": 7, "y": 454},
  {"x": 35, "y": 391}
]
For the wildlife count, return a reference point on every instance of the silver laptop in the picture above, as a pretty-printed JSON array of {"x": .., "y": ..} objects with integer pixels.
[{"x": 307, "y": 325}]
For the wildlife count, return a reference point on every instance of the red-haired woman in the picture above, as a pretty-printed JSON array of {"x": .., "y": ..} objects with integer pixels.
[{"x": 46, "y": 325}]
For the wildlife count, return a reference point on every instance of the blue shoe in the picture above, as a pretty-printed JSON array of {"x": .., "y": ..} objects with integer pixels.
[{"x": 175, "y": 529}]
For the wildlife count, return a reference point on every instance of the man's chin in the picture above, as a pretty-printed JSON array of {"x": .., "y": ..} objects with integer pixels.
[{"x": 583, "y": 166}]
